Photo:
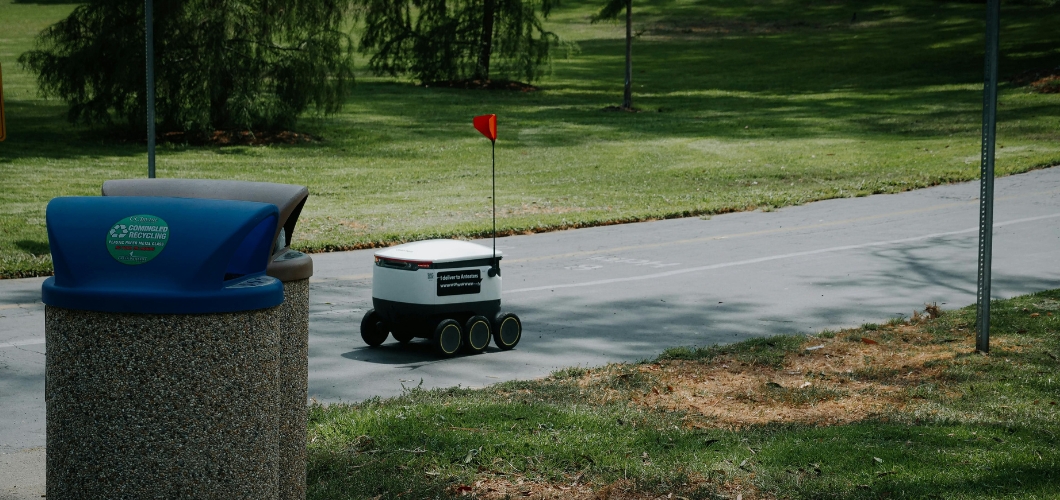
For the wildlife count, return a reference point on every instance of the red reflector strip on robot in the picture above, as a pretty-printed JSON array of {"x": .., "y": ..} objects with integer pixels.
[{"x": 402, "y": 264}]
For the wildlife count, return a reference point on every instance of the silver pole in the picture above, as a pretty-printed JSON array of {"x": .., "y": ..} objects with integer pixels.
[
  {"x": 149, "y": 22},
  {"x": 986, "y": 176}
]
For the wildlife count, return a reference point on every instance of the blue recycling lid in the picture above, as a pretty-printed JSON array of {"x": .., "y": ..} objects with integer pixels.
[{"x": 160, "y": 255}]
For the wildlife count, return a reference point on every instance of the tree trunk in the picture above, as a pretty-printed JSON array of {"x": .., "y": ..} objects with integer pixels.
[
  {"x": 486, "y": 43},
  {"x": 627, "y": 98}
]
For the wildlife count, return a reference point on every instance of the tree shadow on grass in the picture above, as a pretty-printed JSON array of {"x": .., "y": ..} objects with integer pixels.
[
  {"x": 919, "y": 78},
  {"x": 38, "y": 129},
  {"x": 36, "y": 248},
  {"x": 47, "y": 2},
  {"x": 923, "y": 81}
]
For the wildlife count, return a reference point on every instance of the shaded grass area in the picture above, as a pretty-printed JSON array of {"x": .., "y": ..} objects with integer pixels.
[
  {"x": 935, "y": 420},
  {"x": 744, "y": 106}
]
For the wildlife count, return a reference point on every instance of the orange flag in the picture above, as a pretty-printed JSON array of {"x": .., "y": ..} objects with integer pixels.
[{"x": 487, "y": 124}]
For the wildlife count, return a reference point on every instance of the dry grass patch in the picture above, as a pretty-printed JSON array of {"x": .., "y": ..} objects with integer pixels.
[
  {"x": 828, "y": 381},
  {"x": 492, "y": 488},
  {"x": 534, "y": 208},
  {"x": 503, "y": 488}
]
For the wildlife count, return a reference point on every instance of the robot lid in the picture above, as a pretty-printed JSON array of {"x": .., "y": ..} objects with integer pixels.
[{"x": 437, "y": 251}]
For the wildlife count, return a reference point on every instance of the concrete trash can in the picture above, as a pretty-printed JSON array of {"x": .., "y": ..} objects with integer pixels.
[
  {"x": 291, "y": 267},
  {"x": 162, "y": 338}
]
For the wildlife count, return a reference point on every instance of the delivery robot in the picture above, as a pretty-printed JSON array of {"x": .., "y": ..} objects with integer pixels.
[{"x": 447, "y": 291}]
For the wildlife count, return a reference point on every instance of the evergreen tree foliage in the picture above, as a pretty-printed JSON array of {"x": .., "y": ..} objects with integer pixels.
[
  {"x": 219, "y": 64},
  {"x": 438, "y": 40},
  {"x": 611, "y": 10}
]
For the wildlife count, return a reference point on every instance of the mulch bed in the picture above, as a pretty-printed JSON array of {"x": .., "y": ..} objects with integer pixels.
[
  {"x": 1045, "y": 81},
  {"x": 237, "y": 138},
  {"x": 483, "y": 85}
]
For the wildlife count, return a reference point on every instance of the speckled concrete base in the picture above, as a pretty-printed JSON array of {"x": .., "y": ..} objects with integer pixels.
[
  {"x": 162, "y": 406},
  {"x": 294, "y": 388}
]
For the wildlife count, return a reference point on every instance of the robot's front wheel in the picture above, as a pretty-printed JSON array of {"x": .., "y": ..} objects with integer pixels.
[
  {"x": 373, "y": 331},
  {"x": 507, "y": 330},
  {"x": 477, "y": 334},
  {"x": 447, "y": 337}
]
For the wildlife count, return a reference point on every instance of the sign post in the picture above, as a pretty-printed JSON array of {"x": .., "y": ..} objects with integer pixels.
[
  {"x": 986, "y": 176},
  {"x": 149, "y": 22},
  {"x": 3, "y": 123}
]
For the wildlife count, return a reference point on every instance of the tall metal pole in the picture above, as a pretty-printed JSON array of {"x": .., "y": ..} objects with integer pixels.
[
  {"x": 627, "y": 93},
  {"x": 149, "y": 22},
  {"x": 986, "y": 177}
]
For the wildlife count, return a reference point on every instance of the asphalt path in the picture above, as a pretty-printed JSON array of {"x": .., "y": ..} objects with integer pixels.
[{"x": 622, "y": 293}]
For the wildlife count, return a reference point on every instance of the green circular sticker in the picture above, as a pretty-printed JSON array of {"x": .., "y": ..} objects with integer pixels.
[{"x": 137, "y": 239}]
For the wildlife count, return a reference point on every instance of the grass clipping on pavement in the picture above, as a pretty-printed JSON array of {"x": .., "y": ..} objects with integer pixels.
[{"x": 902, "y": 409}]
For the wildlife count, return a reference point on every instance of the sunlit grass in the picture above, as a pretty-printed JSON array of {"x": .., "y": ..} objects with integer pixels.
[{"x": 744, "y": 106}]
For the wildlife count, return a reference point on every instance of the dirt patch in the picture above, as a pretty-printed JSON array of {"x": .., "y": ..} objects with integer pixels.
[
  {"x": 354, "y": 226},
  {"x": 535, "y": 209},
  {"x": 237, "y": 138},
  {"x": 474, "y": 84},
  {"x": 833, "y": 381},
  {"x": 497, "y": 488},
  {"x": 494, "y": 487},
  {"x": 1047, "y": 85}
]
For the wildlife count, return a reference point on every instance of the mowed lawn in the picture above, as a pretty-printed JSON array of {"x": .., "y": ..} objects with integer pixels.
[
  {"x": 902, "y": 410},
  {"x": 744, "y": 105}
]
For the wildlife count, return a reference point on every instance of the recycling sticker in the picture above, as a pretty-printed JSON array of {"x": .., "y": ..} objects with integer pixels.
[{"x": 137, "y": 239}]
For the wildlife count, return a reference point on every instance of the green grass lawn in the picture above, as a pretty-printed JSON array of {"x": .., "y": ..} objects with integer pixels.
[
  {"x": 915, "y": 414},
  {"x": 744, "y": 105}
]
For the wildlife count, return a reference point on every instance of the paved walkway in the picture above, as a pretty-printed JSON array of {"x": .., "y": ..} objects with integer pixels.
[{"x": 622, "y": 293}]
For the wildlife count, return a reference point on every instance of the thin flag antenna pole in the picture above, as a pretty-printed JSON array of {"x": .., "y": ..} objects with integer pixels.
[
  {"x": 487, "y": 125},
  {"x": 495, "y": 266}
]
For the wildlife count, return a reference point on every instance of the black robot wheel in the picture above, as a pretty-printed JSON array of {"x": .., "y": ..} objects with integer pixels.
[
  {"x": 507, "y": 330},
  {"x": 447, "y": 337},
  {"x": 477, "y": 334},
  {"x": 373, "y": 331}
]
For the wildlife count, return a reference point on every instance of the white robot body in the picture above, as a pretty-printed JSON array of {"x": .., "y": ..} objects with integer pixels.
[
  {"x": 448, "y": 291},
  {"x": 435, "y": 273}
]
